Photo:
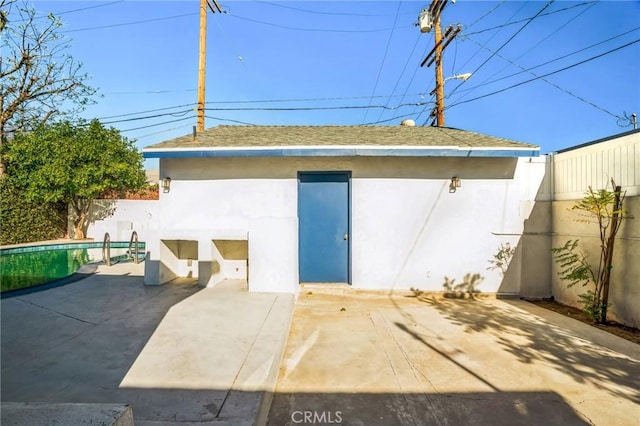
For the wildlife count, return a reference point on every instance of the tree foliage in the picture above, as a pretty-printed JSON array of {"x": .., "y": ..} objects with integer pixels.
[
  {"x": 40, "y": 80},
  {"x": 74, "y": 164},
  {"x": 23, "y": 221},
  {"x": 603, "y": 207}
]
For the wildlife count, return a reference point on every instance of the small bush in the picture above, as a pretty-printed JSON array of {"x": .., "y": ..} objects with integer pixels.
[{"x": 23, "y": 221}]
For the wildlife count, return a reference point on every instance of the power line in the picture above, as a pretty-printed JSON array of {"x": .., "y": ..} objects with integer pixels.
[
  {"x": 388, "y": 119},
  {"x": 318, "y": 12},
  {"x": 554, "y": 85},
  {"x": 157, "y": 124},
  {"x": 91, "y": 7},
  {"x": 525, "y": 19},
  {"x": 540, "y": 41},
  {"x": 257, "y": 101},
  {"x": 406, "y": 64},
  {"x": 73, "y": 10},
  {"x": 508, "y": 41},
  {"x": 230, "y": 120},
  {"x": 311, "y": 108},
  {"x": 172, "y": 114},
  {"x": 314, "y": 108},
  {"x": 547, "y": 62},
  {"x": 148, "y": 92},
  {"x": 162, "y": 131},
  {"x": 335, "y": 98},
  {"x": 308, "y": 29},
  {"x": 130, "y": 23},
  {"x": 548, "y": 74},
  {"x": 486, "y": 14},
  {"x": 470, "y": 58},
  {"x": 384, "y": 57},
  {"x": 144, "y": 112}
]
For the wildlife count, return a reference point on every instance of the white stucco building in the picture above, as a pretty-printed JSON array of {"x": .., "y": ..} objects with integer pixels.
[{"x": 374, "y": 207}]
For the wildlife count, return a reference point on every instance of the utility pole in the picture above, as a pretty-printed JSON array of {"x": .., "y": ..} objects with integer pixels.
[
  {"x": 430, "y": 19},
  {"x": 202, "y": 56},
  {"x": 439, "y": 76}
]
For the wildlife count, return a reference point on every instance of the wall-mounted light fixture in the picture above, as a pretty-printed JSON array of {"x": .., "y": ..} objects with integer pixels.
[
  {"x": 166, "y": 184},
  {"x": 455, "y": 184}
]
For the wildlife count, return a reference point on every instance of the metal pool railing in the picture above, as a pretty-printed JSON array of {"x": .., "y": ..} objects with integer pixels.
[
  {"x": 106, "y": 249},
  {"x": 134, "y": 242}
]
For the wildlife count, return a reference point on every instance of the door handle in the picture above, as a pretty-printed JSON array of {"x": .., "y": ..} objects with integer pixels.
[{"x": 346, "y": 236}]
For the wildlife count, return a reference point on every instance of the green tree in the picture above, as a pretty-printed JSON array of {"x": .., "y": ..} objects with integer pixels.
[
  {"x": 603, "y": 207},
  {"x": 40, "y": 82},
  {"x": 74, "y": 164}
]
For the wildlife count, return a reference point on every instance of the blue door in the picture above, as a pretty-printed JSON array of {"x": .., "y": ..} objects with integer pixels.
[{"x": 323, "y": 233}]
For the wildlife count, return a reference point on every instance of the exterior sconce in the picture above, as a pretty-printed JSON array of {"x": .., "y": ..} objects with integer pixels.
[
  {"x": 455, "y": 184},
  {"x": 166, "y": 184}
]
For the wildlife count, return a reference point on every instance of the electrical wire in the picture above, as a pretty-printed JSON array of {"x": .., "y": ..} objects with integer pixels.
[
  {"x": 336, "y": 98},
  {"x": 193, "y": 105},
  {"x": 406, "y": 64},
  {"x": 130, "y": 23},
  {"x": 540, "y": 41},
  {"x": 172, "y": 114},
  {"x": 565, "y": 56},
  {"x": 525, "y": 19},
  {"x": 546, "y": 75},
  {"x": 157, "y": 124},
  {"x": 73, "y": 10},
  {"x": 90, "y": 7},
  {"x": 388, "y": 119},
  {"x": 318, "y": 12},
  {"x": 486, "y": 14},
  {"x": 384, "y": 58},
  {"x": 161, "y": 131},
  {"x": 313, "y": 108},
  {"x": 149, "y": 92},
  {"x": 145, "y": 112},
  {"x": 555, "y": 85},
  {"x": 378, "y": 30},
  {"x": 514, "y": 35},
  {"x": 549, "y": 3},
  {"x": 470, "y": 58},
  {"x": 415, "y": 71},
  {"x": 230, "y": 120}
]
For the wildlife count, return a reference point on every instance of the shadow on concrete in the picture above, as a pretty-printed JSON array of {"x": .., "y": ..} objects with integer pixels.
[
  {"x": 539, "y": 341},
  {"x": 473, "y": 408},
  {"x": 76, "y": 343},
  {"x": 468, "y": 288},
  {"x": 176, "y": 353}
]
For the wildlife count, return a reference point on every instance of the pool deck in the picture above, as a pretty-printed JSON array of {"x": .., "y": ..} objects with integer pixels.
[{"x": 167, "y": 351}]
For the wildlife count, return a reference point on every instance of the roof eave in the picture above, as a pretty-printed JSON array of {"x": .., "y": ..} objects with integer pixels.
[{"x": 343, "y": 152}]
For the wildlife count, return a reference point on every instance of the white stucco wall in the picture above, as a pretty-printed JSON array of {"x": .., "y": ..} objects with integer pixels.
[
  {"x": 121, "y": 217},
  {"x": 407, "y": 229}
]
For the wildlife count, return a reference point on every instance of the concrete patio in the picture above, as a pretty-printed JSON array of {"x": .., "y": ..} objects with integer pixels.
[
  {"x": 179, "y": 354},
  {"x": 175, "y": 353},
  {"x": 375, "y": 359}
]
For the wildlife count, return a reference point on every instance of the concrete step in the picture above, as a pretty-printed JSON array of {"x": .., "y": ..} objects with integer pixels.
[{"x": 44, "y": 413}]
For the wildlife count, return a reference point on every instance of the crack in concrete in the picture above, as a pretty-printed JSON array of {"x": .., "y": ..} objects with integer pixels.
[
  {"x": 235, "y": 379},
  {"x": 54, "y": 311}
]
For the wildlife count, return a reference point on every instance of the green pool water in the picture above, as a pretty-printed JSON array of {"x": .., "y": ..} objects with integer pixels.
[{"x": 31, "y": 266}]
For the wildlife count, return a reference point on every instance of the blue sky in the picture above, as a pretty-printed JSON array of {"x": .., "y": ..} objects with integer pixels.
[{"x": 358, "y": 62}]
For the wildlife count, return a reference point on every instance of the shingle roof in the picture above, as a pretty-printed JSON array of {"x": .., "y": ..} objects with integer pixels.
[{"x": 333, "y": 136}]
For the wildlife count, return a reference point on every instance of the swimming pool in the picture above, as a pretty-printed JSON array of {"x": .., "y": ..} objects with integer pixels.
[{"x": 24, "y": 267}]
